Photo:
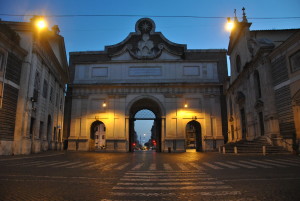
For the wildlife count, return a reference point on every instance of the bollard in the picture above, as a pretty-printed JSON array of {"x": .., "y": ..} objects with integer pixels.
[
  {"x": 224, "y": 150},
  {"x": 264, "y": 150},
  {"x": 235, "y": 150}
]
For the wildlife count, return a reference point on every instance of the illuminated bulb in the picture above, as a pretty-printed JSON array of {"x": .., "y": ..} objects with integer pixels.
[
  {"x": 104, "y": 104},
  {"x": 229, "y": 25},
  {"x": 185, "y": 105},
  {"x": 41, "y": 24}
]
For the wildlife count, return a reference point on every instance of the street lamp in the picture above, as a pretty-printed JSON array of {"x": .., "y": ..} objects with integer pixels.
[
  {"x": 230, "y": 24},
  {"x": 104, "y": 104}
]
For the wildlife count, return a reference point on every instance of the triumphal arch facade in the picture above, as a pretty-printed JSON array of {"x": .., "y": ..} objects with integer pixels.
[{"x": 182, "y": 87}]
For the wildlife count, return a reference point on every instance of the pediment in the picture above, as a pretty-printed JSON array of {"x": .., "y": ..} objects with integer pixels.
[{"x": 145, "y": 44}]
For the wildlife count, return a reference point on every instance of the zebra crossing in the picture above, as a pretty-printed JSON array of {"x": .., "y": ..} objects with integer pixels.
[
  {"x": 191, "y": 166},
  {"x": 165, "y": 184}
]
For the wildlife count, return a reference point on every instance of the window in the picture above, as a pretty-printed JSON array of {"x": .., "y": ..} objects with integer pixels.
[
  {"x": 238, "y": 63},
  {"x": 257, "y": 84},
  {"x": 51, "y": 95},
  {"x": 295, "y": 61},
  {"x": 45, "y": 89},
  {"x": 56, "y": 102},
  {"x": 31, "y": 129},
  {"x": 36, "y": 86}
]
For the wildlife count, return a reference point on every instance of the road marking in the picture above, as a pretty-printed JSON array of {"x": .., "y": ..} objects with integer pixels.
[
  {"x": 93, "y": 166},
  {"x": 284, "y": 163},
  {"x": 226, "y": 165},
  {"x": 138, "y": 166},
  {"x": 109, "y": 166},
  {"x": 23, "y": 163},
  {"x": 268, "y": 163},
  {"x": 203, "y": 193},
  {"x": 161, "y": 173},
  {"x": 50, "y": 155},
  {"x": 168, "y": 179},
  {"x": 152, "y": 166},
  {"x": 172, "y": 183},
  {"x": 32, "y": 164},
  {"x": 212, "y": 166},
  {"x": 163, "y": 176},
  {"x": 122, "y": 166},
  {"x": 182, "y": 166},
  {"x": 167, "y": 166},
  {"x": 80, "y": 165},
  {"x": 52, "y": 164},
  {"x": 255, "y": 164},
  {"x": 198, "y": 167},
  {"x": 68, "y": 164},
  {"x": 242, "y": 165},
  {"x": 290, "y": 160},
  {"x": 161, "y": 188}
]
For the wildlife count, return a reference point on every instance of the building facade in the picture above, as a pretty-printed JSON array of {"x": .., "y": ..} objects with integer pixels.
[
  {"x": 261, "y": 93},
  {"x": 181, "y": 87},
  {"x": 33, "y": 74}
]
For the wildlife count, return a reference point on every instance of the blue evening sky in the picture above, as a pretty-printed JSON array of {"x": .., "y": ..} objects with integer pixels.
[{"x": 93, "y": 33}]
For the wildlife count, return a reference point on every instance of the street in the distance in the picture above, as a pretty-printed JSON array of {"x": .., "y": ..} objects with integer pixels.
[{"x": 147, "y": 175}]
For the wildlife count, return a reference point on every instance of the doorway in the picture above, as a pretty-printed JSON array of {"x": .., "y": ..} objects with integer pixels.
[
  {"x": 193, "y": 136},
  {"x": 97, "y": 136}
]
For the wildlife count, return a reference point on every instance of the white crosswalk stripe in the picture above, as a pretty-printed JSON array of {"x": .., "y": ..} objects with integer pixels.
[
  {"x": 53, "y": 164},
  {"x": 290, "y": 160},
  {"x": 241, "y": 165},
  {"x": 81, "y": 165},
  {"x": 212, "y": 166},
  {"x": 156, "y": 184},
  {"x": 94, "y": 166},
  {"x": 226, "y": 165},
  {"x": 121, "y": 167},
  {"x": 255, "y": 164},
  {"x": 198, "y": 167},
  {"x": 152, "y": 166},
  {"x": 284, "y": 163},
  {"x": 68, "y": 164},
  {"x": 182, "y": 166},
  {"x": 268, "y": 163},
  {"x": 138, "y": 166},
  {"x": 167, "y": 166},
  {"x": 109, "y": 166}
]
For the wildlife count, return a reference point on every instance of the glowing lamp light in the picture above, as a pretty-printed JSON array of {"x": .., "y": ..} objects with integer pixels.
[
  {"x": 229, "y": 25},
  {"x": 41, "y": 24},
  {"x": 104, "y": 104}
]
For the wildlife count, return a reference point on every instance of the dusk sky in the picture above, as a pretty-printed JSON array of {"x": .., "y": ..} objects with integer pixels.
[{"x": 93, "y": 33}]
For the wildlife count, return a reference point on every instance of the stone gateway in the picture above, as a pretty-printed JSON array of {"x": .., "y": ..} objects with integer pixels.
[{"x": 182, "y": 87}]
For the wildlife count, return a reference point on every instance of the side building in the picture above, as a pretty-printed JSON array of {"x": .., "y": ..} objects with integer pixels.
[
  {"x": 183, "y": 89},
  {"x": 263, "y": 90},
  {"x": 33, "y": 74}
]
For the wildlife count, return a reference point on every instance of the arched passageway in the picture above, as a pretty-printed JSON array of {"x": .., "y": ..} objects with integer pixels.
[
  {"x": 193, "y": 136},
  {"x": 97, "y": 135},
  {"x": 145, "y": 109}
]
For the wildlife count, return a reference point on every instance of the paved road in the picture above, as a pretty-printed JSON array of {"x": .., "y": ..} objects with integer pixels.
[{"x": 149, "y": 176}]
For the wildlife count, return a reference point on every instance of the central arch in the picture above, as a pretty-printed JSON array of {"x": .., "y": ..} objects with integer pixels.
[{"x": 145, "y": 103}]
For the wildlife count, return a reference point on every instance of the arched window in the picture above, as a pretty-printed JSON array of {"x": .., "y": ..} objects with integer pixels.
[
  {"x": 257, "y": 84},
  {"x": 36, "y": 86},
  {"x": 238, "y": 63}
]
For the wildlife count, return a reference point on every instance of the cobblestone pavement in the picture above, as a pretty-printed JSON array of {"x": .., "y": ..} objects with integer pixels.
[{"x": 149, "y": 176}]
